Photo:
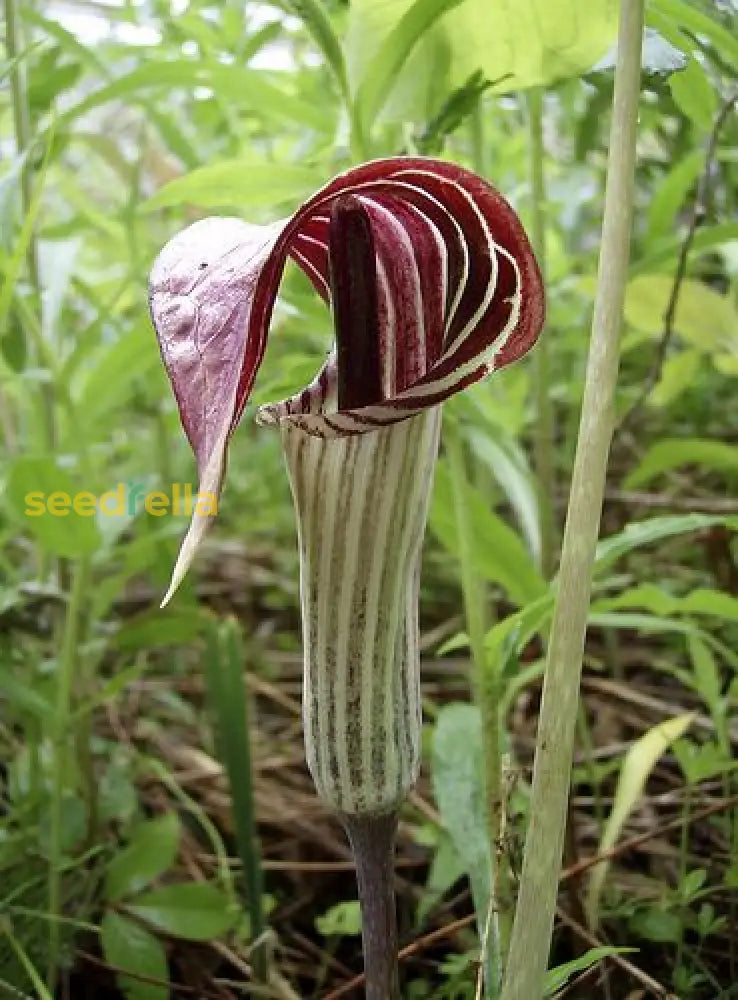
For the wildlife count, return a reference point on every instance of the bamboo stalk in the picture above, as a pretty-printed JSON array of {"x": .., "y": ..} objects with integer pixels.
[{"x": 534, "y": 916}]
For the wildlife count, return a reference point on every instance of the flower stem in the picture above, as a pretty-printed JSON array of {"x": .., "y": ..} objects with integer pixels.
[
  {"x": 372, "y": 840},
  {"x": 544, "y": 435},
  {"x": 531, "y": 937}
]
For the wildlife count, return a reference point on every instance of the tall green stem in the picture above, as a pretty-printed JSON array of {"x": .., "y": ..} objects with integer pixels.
[
  {"x": 545, "y": 430},
  {"x": 533, "y": 924},
  {"x": 66, "y": 670},
  {"x": 487, "y": 696},
  {"x": 21, "y": 121}
]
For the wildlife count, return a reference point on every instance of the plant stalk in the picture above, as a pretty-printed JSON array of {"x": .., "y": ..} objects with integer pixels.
[
  {"x": 21, "y": 120},
  {"x": 229, "y": 696},
  {"x": 545, "y": 426},
  {"x": 532, "y": 929},
  {"x": 372, "y": 840},
  {"x": 485, "y": 682},
  {"x": 65, "y": 674}
]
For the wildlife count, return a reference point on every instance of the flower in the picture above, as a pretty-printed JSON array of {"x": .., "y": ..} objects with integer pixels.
[{"x": 433, "y": 285}]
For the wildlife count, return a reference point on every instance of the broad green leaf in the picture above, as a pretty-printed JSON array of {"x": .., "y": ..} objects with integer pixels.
[
  {"x": 151, "y": 852},
  {"x": 515, "y": 46},
  {"x": 637, "y": 765},
  {"x": 341, "y": 920},
  {"x": 238, "y": 182},
  {"x": 128, "y": 945},
  {"x": 703, "y": 316},
  {"x": 655, "y": 529},
  {"x": 499, "y": 555},
  {"x": 458, "y": 787},
  {"x": 196, "y": 911},
  {"x": 673, "y": 453},
  {"x": 558, "y": 977},
  {"x": 694, "y": 95},
  {"x": 41, "y": 495}
]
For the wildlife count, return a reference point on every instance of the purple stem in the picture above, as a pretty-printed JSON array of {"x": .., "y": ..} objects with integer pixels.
[
  {"x": 353, "y": 278},
  {"x": 372, "y": 840}
]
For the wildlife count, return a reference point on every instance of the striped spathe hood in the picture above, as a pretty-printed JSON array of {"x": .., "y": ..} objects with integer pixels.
[{"x": 458, "y": 294}]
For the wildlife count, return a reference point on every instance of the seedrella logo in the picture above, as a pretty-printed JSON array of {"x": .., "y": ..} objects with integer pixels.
[{"x": 124, "y": 500}]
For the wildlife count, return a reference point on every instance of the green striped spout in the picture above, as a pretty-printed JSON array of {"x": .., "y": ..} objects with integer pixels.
[{"x": 361, "y": 504}]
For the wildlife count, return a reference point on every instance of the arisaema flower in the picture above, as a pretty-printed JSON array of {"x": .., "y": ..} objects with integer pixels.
[{"x": 433, "y": 285}]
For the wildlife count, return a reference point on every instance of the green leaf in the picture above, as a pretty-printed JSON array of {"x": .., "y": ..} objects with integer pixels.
[
  {"x": 341, "y": 920},
  {"x": 499, "y": 555},
  {"x": 154, "y": 629},
  {"x": 678, "y": 374},
  {"x": 381, "y": 73},
  {"x": 558, "y": 977},
  {"x": 40, "y": 493},
  {"x": 638, "y": 763},
  {"x": 458, "y": 786},
  {"x": 109, "y": 378},
  {"x": 672, "y": 191},
  {"x": 506, "y": 461},
  {"x": 127, "y": 945},
  {"x": 706, "y": 674},
  {"x": 694, "y": 95},
  {"x": 673, "y": 453},
  {"x": 196, "y": 911},
  {"x": 655, "y": 529},
  {"x": 263, "y": 97},
  {"x": 664, "y": 256},
  {"x": 703, "y": 316},
  {"x": 689, "y": 18},
  {"x": 151, "y": 852},
  {"x": 237, "y": 182},
  {"x": 657, "y": 925},
  {"x": 530, "y": 44},
  {"x": 317, "y": 21},
  {"x": 702, "y": 601}
]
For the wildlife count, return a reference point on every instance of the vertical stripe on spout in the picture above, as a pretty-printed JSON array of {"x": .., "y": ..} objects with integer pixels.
[{"x": 361, "y": 505}]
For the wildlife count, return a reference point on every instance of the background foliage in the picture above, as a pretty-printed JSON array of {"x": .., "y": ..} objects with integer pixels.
[{"x": 119, "y": 124}]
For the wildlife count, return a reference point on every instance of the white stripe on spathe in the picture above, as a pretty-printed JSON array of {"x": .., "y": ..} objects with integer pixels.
[{"x": 361, "y": 505}]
